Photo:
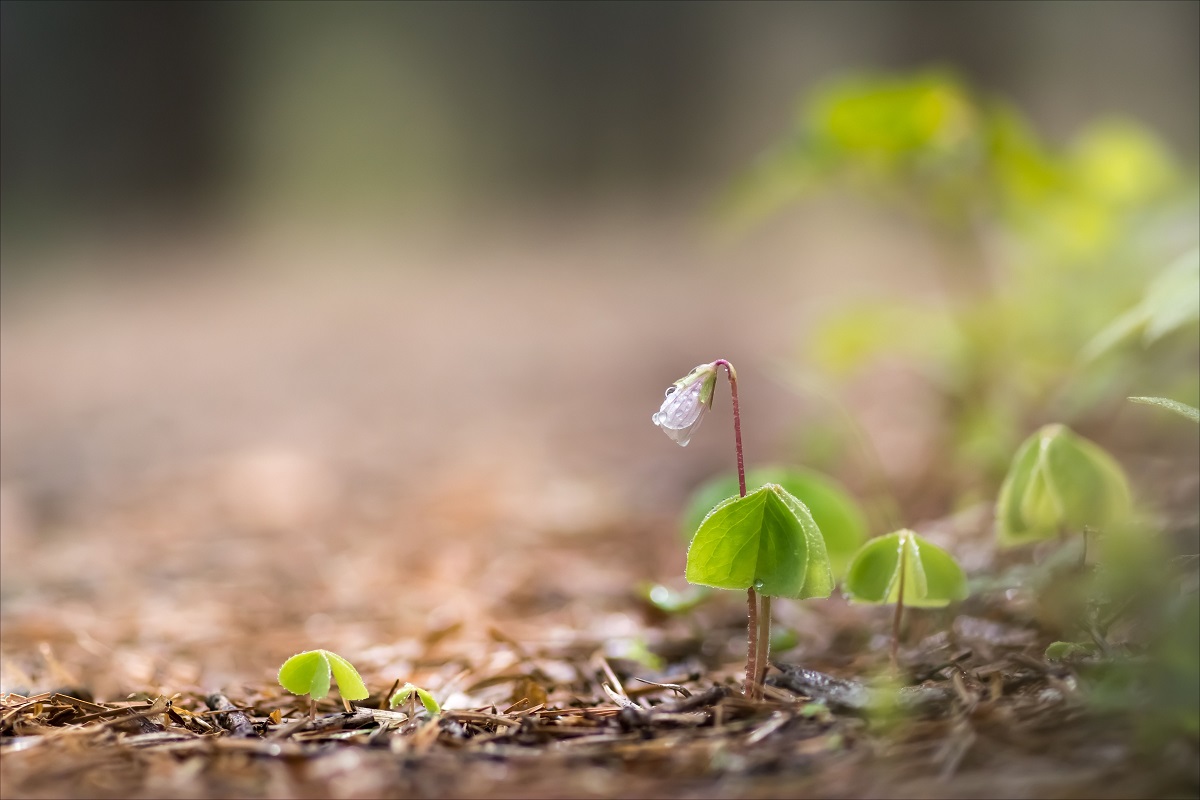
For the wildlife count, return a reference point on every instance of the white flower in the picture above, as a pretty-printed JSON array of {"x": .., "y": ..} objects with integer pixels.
[{"x": 687, "y": 400}]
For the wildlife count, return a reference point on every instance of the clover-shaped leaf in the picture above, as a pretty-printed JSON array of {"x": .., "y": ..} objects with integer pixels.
[
  {"x": 308, "y": 673},
  {"x": 407, "y": 690},
  {"x": 841, "y": 522},
  {"x": 930, "y": 576},
  {"x": 767, "y": 541},
  {"x": 1058, "y": 482}
]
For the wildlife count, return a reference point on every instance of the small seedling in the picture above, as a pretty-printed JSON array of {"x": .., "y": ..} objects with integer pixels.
[
  {"x": 1059, "y": 482},
  {"x": 905, "y": 569},
  {"x": 408, "y": 691},
  {"x": 764, "y": 542},
  {"x": 308, "y": 673},
  {"x": 1065, "y": 651}
]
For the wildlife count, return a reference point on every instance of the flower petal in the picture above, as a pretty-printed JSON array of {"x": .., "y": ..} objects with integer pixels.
[{"x": 686, "y": 402}]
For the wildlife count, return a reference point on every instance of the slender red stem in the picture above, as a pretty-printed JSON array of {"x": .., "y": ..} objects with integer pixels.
[
  {"x": 737, "y": 422},
  {"x": 754, "y": 665}
]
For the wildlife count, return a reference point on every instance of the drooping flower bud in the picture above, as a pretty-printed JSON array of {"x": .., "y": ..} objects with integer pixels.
[{"x": 687, "y": 401}]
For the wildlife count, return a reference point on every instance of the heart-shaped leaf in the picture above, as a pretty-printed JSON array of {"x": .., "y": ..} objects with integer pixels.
[
  {"x": 931, "y": 577},
  {"x": 766, "y": 540},
  {"x": 406, "y": 691},
  {"x": 842, "y": 524},
  {"x": 309, "y": 673}
]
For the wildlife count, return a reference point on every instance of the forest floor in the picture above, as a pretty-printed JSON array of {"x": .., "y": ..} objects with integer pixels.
[{"x": 449, "y": 476}]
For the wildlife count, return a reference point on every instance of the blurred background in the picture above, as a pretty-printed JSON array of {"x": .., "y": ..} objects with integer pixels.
[
  {"x": 300, "y": 291},
  {"x": 119, "y": 117}
]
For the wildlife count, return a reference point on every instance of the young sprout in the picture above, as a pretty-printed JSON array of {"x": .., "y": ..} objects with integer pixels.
[
  {"x": 308, "y": 673},
  {"x": 905, "y": 569},
  {"x": 1059, "y": 482},
  {"x": 407, "y": 691},
  {"x": 764, "y": 542}
]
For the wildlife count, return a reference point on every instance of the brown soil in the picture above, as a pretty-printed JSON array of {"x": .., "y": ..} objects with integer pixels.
[{"x": 437, "y": 461}]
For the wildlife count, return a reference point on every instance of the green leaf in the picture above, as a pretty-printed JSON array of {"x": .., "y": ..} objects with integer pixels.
[
  {"x": 404, "y": 692},
  {"x": 931, "y": 577},
  {"x": 306, "y": 673},
  {"x": 1173, "y": 298},
  {"x": 309, "y": 673},
  {"x": 1182, "y": 409},
  {"x": 1064, "y": 651},
  {"x": 1057, "y": 482},
  {"x": 766, "y": 540},
  {"x": 350, "y": 683},
  {"x": 842, "y": 524},
  {"x": 1171, "y": 302}
]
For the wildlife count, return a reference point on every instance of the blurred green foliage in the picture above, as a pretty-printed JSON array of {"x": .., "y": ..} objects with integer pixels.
[
  {"x": 905, "y": 567},
  {"x": 1174, "y": 406},
  {"x": 1060, "y": 483},
  {"x": 1044, "y": 247},
  {"x": 1069, "y": 280}
]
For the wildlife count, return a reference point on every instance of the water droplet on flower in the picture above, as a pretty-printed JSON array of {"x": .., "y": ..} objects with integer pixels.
[
  {"x": 670, "y": 389},
  {"x": 758, "y": 585}
]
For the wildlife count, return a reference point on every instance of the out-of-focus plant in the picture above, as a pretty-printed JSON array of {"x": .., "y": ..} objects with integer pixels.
[
  {"x": 1044, "y": 247},
  {"x": 410, "y": 693},
  {"x": 1182, "y": 409},
  {"x": 1171, "y": 303},
  {"x": 904, "y": 569},
  {"x": 1060, "y": 483}
]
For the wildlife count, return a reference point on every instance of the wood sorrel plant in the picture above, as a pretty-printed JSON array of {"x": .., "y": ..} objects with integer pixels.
[
  {"x": 904, "y": 569},
  {"x": 764, "y": 542},
  {"x": 309, "y": 673}
]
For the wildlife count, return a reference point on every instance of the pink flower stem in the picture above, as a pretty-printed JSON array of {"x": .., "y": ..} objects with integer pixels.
[
  {"x": 756, "y": 655},
  {"x": 737, "y": 422}
]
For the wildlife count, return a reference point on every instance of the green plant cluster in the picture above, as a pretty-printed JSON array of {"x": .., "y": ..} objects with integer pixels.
[
  {"x": 1071, "y": 281},
  {"x": 1042, "y": 247},
  {"x": 797, "y": 533}
]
